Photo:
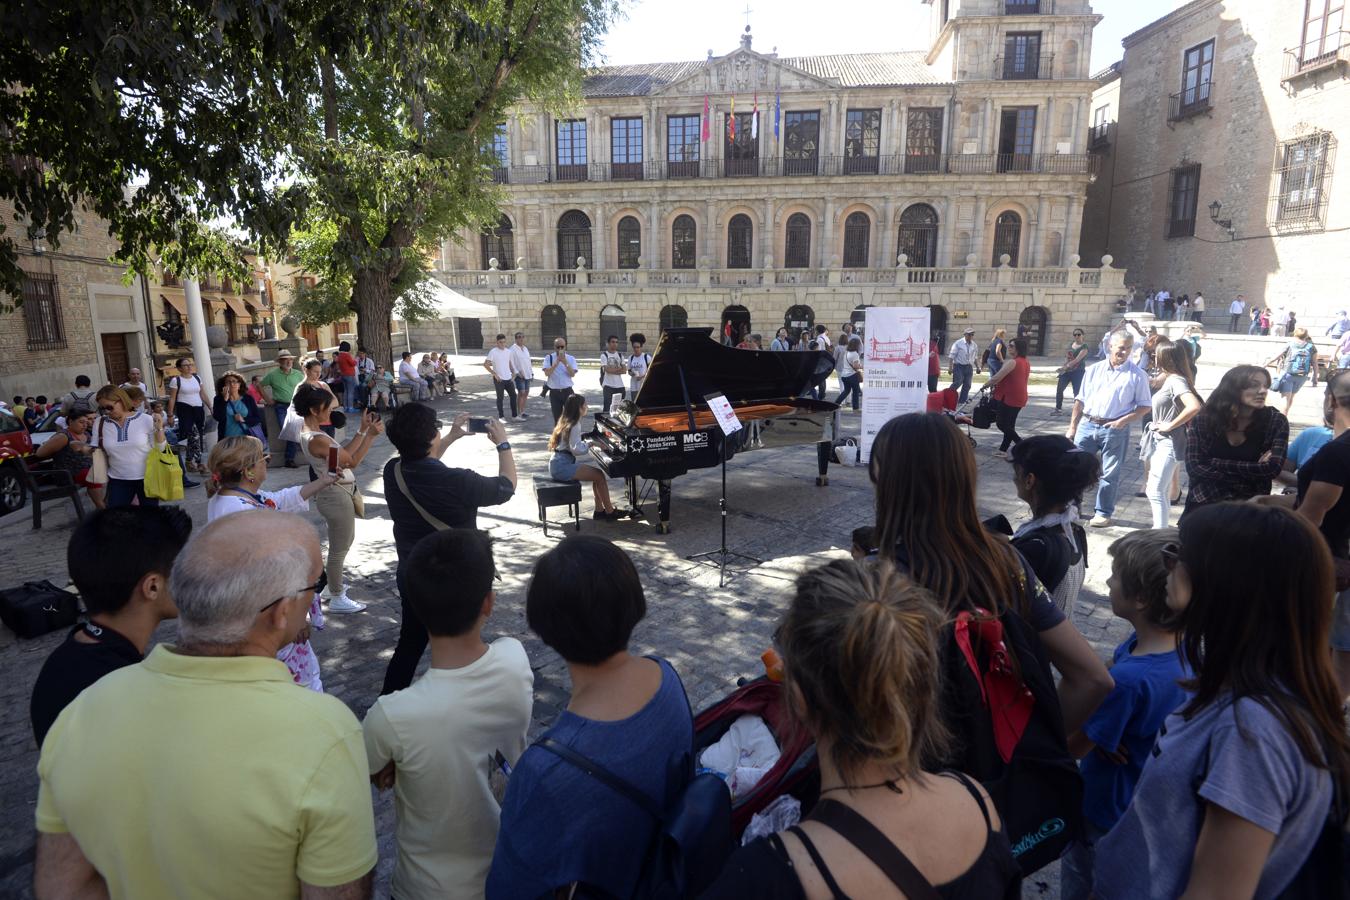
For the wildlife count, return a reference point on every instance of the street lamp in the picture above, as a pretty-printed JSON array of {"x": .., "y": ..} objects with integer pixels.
[{"x": 1226, "y": 224}]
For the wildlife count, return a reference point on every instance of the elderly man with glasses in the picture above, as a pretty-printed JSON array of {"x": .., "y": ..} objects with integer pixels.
[
  {"x": 560, "y": 367},
  {"x": 204, "y": 770}
]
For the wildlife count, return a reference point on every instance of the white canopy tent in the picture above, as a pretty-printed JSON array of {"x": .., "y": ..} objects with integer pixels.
[{"x": 451, "y": 304}]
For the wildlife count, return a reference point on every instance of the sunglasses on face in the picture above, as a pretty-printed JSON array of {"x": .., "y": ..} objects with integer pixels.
[
  {"x": 105, "y": 409},
  {"x": 312, "y": 589}
]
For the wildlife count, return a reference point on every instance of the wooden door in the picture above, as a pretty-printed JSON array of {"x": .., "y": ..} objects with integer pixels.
[
  {"x": 115, "y": 357},
  {"x": 311, "y": 336}
]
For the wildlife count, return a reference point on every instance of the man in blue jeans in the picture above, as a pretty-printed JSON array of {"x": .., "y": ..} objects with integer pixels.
[
  {"x": 963, "y": 360},
  {"x": 1115, "y": 394}
]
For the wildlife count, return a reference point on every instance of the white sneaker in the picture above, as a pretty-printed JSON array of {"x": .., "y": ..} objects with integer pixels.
[
  {"x": 1100, "y": 521},
  {"x": 344, "y": 604}
]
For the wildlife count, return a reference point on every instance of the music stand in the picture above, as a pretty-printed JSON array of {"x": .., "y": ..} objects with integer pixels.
[{"x": 729, "y": 425}]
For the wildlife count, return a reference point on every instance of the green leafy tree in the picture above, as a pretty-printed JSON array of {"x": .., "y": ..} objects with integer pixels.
[{"x": 401, "y": 130}]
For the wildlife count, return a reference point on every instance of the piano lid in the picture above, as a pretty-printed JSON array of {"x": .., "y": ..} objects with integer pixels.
[{"x": 743, "y": 375}]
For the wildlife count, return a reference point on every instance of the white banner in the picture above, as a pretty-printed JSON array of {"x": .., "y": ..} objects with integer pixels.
[{"x": 895, "y": 348}]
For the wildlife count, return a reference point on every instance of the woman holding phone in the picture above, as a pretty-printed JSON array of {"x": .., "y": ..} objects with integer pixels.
[{"x": 337, "y": 502}]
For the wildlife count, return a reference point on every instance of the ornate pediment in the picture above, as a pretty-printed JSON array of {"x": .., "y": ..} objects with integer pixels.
[{"x": 744, "y": 72}]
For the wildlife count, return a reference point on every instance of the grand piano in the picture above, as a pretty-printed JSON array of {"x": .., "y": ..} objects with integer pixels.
[{"x": 668, "y": 429}]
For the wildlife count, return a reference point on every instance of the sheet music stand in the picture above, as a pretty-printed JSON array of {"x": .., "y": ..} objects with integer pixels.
[{"x": 720, "y": 556}]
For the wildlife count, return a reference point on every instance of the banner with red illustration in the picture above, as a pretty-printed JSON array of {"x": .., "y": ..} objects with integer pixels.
[{"x": 895, "y": 358}]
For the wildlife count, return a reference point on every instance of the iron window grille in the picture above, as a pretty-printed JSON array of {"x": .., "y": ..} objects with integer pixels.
[
  {"x": 630, "y": 243},
  {"x": 797, "y": 242},
  {"x": 1183, "y": 199},
  {"x": 740, "y": 233},
  {"x": 857, "y": 240},
  {"x": 500, "y": 244},
  {"x": 1303, "y": 173},
  {"x": 683, "y": 246},
  {"x": 42, "y": 312},
  {"x": 574, "y": 239}
]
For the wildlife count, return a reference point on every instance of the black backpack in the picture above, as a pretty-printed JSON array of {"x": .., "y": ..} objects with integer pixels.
[
  {"x": 1325, "y": 874},
  {"x": 1038, "y": 792},
  {"x": 691, "y": 841}
]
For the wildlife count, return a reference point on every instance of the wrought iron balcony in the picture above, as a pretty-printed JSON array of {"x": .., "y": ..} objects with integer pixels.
[
  {"x": 1192, "y": 101},
  {"x": 1329, "y": 51},
  {"x": 1025, "y": 67}
]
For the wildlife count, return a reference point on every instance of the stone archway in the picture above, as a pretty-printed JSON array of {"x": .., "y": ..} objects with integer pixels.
[{"x": 1033, "y": 324}]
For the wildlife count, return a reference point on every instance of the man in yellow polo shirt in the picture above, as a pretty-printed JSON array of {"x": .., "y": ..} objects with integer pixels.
[{"x": 205, "y": 770}]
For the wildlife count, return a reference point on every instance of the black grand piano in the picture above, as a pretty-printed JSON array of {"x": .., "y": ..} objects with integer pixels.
[{"x": 668, "y": 429}]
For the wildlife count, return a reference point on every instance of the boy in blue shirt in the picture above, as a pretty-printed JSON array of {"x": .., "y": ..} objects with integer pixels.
[{"x": 1118, "y": 739}]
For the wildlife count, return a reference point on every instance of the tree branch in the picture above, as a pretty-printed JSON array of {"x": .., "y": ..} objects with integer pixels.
[{"x": 505, "y": 66}]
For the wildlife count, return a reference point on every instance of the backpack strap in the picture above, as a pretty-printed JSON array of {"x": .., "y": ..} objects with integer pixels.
[
  {"x": 602, "y": 775},
  {"x": 421, "y": 510},
  {"x": 878, "y": 848}
]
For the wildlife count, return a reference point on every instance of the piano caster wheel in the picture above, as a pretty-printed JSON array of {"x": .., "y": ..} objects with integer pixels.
[
  {"x": 663, "y": 528},
  {"x": 822, "y": 481}
]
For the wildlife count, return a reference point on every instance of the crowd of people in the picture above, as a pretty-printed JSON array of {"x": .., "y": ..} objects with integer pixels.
[{"x": 1209, "y": 751}]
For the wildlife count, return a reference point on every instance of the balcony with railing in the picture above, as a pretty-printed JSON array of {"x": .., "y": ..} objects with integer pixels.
[
  {"x": 1036, "y": 66},
  {"x": 1021, "y": 7},
  {"x": 1328, "y": 51},
  {"x": 1192, "y": 101},
  {"x": 820, "y": 166},
  {"x": 1099, "y": 136}
]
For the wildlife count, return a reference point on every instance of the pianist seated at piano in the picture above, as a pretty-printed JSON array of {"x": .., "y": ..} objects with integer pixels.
[{"x": 568, "y": 445}]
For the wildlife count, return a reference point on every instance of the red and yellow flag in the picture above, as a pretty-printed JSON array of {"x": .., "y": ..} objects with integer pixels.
[{"x": 731, "y": 121}]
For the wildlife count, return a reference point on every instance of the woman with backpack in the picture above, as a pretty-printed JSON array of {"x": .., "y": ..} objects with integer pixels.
[
  {"x": 187, "y": 402},
  {"x": 927, "y": 523},
  {"x": 1050, "y": 475},
  {"x": 1299, "y": 362},
  {"x": 860, "y": 646},
  {"x": 1234, "y": 801}
]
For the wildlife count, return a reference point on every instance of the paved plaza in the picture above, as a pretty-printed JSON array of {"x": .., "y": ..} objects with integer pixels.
[{"x": 712, "y": 635}]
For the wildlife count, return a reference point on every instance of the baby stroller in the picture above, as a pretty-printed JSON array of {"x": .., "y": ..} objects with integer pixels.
[
  {"x": 797, "y": 771},
  {"x": 946, "y": 402}
]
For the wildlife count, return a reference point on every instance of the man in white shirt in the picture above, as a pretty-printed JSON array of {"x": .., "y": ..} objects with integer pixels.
[
  {"x": 612, "y": 369},
  {"x": 522, "y": 370},
  {"x": 560, "y": 367},
  {"x": 1236, "y": 309},
  {"x": 408, "y": 377},
  {"x": 438, "y": 743},
  {"x": 823, "y": 339},
  {"x": 498, "y": 363},
  {"x": 1198, "y": 308},
  {"x": 134, "y": 380},
  {"x": 1281, "y": 321},
  {"x": 1115, "y": 393},
  {"x": 963, "y": 360},
  {"x": 638, "y": 363}
]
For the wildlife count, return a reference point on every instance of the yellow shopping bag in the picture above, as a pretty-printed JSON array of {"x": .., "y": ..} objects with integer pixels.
[{"x": 163, "y": 474}]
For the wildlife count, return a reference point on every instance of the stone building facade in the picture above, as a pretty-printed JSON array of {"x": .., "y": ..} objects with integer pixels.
[
  {"x": 786, "y": 189},
  {"x": 1218, "y": 168}
]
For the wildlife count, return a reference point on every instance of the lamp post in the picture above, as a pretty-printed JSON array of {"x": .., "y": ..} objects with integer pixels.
[{"x": 1226, "y": 224}]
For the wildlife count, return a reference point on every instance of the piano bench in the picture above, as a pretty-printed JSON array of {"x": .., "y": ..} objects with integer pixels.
[{"x": 557, "y": 493}]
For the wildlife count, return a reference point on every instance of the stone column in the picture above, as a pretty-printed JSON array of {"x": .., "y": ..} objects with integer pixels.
[
  {"x": 988, "y": 128},
  {"x": 901, "y": 120},
  {"x": 1076, "y": 140},
  {"x": 601, "y": 234},
  {"x": 767, "y": 234},
  {"x": 522, "y": 241},
  {"x": 977, "y": 235},
  {"x": 654, "y": 240},
  {"x": 710, "y": 248},
  {"x": 1045, "y": 136},
  {"x": 886, "y": 240},
  {"x": 1073, "y": 228},
  {"x": 942, "y": 256},
  {"x": 827, "y": 234},
  {"x": 548, "y": 237},
  {"x": 201, "y": 349},
  {"x": 1036, "y": 231},
  {"x": 541, "y": 126}
]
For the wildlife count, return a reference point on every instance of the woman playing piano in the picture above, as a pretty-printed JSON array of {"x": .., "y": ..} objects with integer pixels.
[{"x": 568, "y": 446}]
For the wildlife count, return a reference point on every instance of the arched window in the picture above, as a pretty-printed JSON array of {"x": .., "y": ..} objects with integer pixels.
[
  {"x": 857, "y": 240},
  {"x": 797, "y": 242},
  {"x": 740, "y": 234},
  {"x": 918, "y": 236},
  {"x": 1007, "y": 236},
  {"x": 552, "y": 325},
  {"x": 613, "y": 321},
  {"x": 673, "y": 317},
  {"x": 500, "y": 244},
  {"x": 798, "y": 319},
  {"x": 574, "y": 239},
  {"x": 1032, "y": 324},
  {"x": 630, "y": 243},
  {"x": 735, "y": 324},
  {"x": 683, "y": 243}
]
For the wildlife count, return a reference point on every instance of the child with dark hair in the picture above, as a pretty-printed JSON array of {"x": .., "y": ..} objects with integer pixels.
[
  {"x": 629, "y": 714},
  {"x": 864, "y": 542},
  {"x": 1118, "y": 739},
  {"x": 120, "y": 561},
  {"x": 434, "y": 741}
]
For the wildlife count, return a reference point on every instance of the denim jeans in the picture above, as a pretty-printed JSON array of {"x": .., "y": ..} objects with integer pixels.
[
  {"x": 1113, "y": 444},
  {"x": 122, "y": 492},
  {"x": 349, "y": 392},
  {"x": 1255, "y": 327},
  {"x": 852, "y": 384},
  {"x": 279, "y": 410},
  {"x": 1161, "y": 466},
  {"x": 962, "y": 373},
  {"x": 1072, "y": 378},
  {"x": 505, "y": 386}
]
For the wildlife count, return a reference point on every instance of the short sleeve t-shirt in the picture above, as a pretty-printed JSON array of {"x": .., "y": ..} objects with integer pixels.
[
  {"x": 1167, "y": 406},
  {"x": 637, "y": 369},
  {"x": 1331, "y": 465},
  {"x": 500, "y": 359},
  {"x": 1309, "y": 441},
  {"x": 189, "y": 389},
  {"x": 561, "y": 377},
  {"x": 286, "y": 500},
  {"x": 127, "y": 445},
  {"x": 1235, "y": 755},
  {"x": 615, "y": 358},
  {"x": 72, "y": 667},
  {"x": 1146, "y": 693},
  {"x": 451, "y": 495},
  {"x": 440, "y": 734},
  {"x": 346, "y": 364},
  {"x": 606, "y": 833},
  {"x": 283, "y": 384}
]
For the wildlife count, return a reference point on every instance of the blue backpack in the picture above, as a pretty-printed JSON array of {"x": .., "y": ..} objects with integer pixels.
[{"x": 1300, "y": 360}]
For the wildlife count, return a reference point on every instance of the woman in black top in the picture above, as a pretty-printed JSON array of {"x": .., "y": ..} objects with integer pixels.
[
  {"x": 1237, "y": 444},
  {"x": 860, "y": 652}
]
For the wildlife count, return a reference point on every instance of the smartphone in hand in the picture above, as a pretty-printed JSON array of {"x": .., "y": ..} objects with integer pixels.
[
  {"x": 478, "y": 426},
  {"x": 333, "y": 460}
]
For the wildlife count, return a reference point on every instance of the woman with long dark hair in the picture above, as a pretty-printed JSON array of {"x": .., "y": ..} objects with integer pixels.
[
  {"x": 1239, "y": 786},
  {"x": 1175, "y": 402},
  {"x": 1050, "y": 475},
  {"x": 1236, "y": 445},
  {"x": 567, "y": 446},
  {"x": 1010, "y": 391},
  {"x": 926, "y": 520}
]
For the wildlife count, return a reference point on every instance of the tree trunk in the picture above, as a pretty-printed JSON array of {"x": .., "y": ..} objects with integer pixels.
[{"x": 372, "y": 296}]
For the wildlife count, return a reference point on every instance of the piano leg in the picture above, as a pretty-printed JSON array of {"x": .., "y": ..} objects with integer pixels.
[
  {"x": 663, "y": 506},
  {"x": 824, "y": 450},
  {"x": 634, "y": 501}
]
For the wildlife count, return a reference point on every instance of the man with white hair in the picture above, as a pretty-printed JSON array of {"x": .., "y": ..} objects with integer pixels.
[{"x": 205, "y": 770}]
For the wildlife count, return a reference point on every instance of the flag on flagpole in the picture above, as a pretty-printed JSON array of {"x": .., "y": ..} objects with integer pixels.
[
  {"x": 731, "y": 121},
  {"x": 777, "y": 111},
  {"x": 754, "y": 120},
  {"x": 707, "y": 119}
]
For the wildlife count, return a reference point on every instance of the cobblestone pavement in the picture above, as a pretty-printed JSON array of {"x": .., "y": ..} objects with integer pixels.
[{"x": 712, "y": 635}]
